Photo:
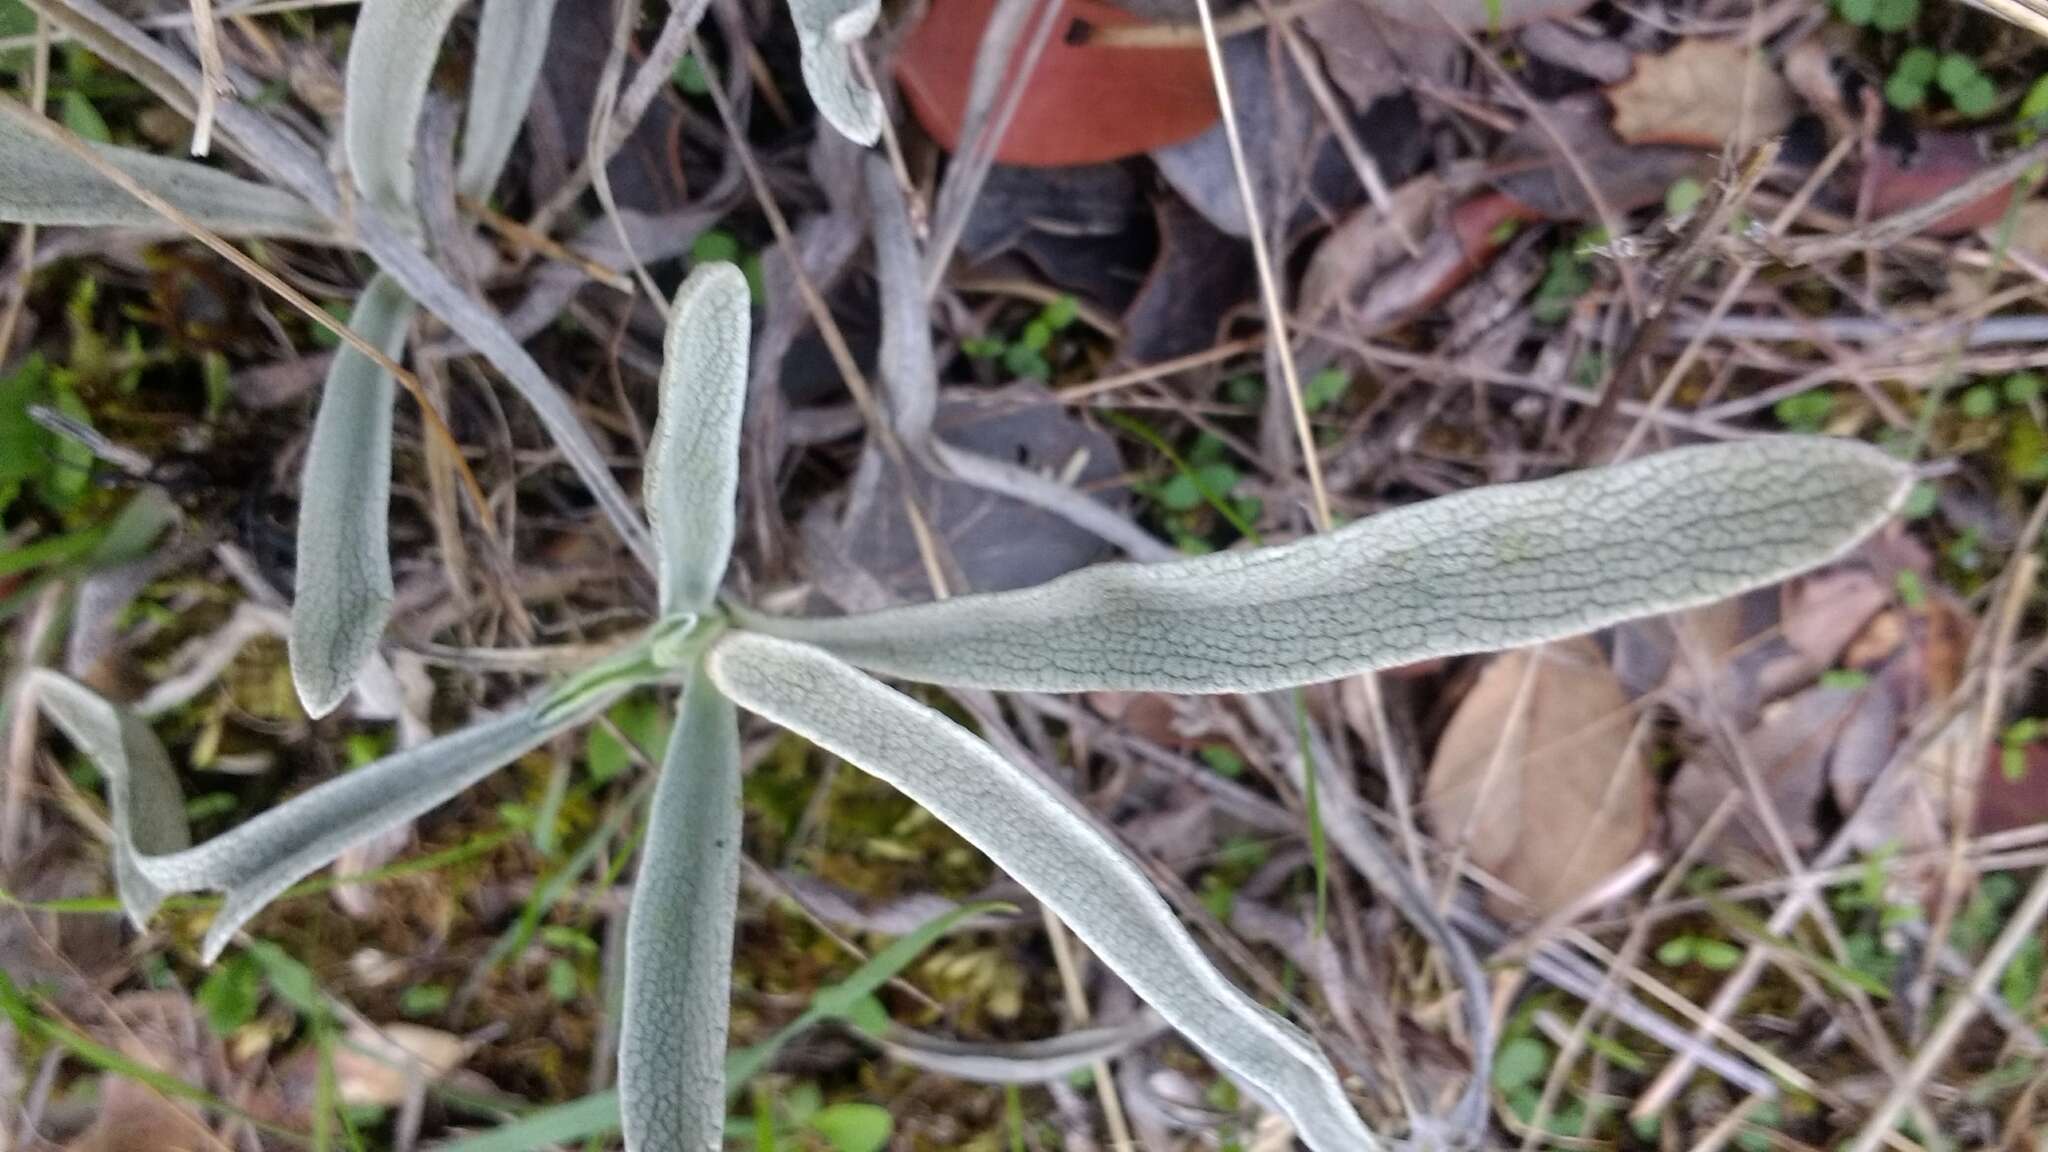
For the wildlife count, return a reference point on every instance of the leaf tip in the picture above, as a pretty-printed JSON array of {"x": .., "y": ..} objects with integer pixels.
[{"x": 325, "y": 660}]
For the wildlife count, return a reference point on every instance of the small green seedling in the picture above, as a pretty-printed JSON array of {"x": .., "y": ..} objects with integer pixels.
[
  {"x": 798, "y": 1118},
  {"x": 1956, "y": 75},
  {"x": 1568, "y": 277},
  {"x": 1806, "y": 412},
  {"x": 1682, "y": 197},
  {"x": 1705, "y": 951},
  {"x": 2013, "y": 744},
  {"x": 1882, "y": 15},
  {"x": 1024, "y": 356}
]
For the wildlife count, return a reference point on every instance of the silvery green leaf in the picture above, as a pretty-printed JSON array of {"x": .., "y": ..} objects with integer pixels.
[
  {"x": 342, "y": 591},
  {"x": 693, "y": 463},
  {"x": 679, "y": 936},
  {"x": 1051, "y": 846},
  {"x": 1022, "y": 1062},
  {"x": 828, "y": 32},
  {"x": 511, "y": 43},
  {"x": 1491, "y": 568},
  {"x": 390, "y": 66},
  {"x": 147, "y": 807},
  {"x": 41, "y": 183},
  {"x": 259, "y": 859}
]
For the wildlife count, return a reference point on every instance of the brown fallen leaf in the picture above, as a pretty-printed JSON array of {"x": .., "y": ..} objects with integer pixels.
[
  {"x": 1530, "y": 167},
  {"x": 1911, "y": 809},
  {"x": 1675, "y": 653},
  {"x": 1703, "y": 93},
  {"x": 1896, "y": 180},
  {"x": 1568, "y": 800},
  {"x": 134, "y": 1118},
  {"x": 374, "y": 1066},
  {"x": 1823, "y": 613},
  {"x": 1365, "y": 245},
  {"x": 1200, "y": 276},
  {"x": 1149, "y": 715},
  {"x": 2009, "y": 800},
  {"x": 1363, "y": 274},
  {"x": 1820, "y": 617},
  {"x": 2030, "y": 229},
  {"x": 1371, "y": 57},
  {"x": 1789, "y": 751}
]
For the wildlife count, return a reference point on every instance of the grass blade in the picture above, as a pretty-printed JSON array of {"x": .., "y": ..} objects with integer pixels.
[
  {"x": 511, "y": 42},
  {"x": 342, "y": 591},
  {"x": 1023, "y": 1062},
  {"x": 1492, "y": 568},
  {"x": 839, "y": 1001},
  {"x": 390, "y": 65},
  {"x": 551, "y": 1127},
  {"x": 693, "y": 463},
  {"x": 1054, "y": 849},
  {"x": 41, "y": 183},
  {"x": 679, "y": 935},
  {"x": 828, "y": 33}
]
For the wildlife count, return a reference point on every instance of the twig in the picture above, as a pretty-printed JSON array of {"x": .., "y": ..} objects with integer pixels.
[
  {"x": 623, "y": 116},
  {"x": 598, "y": 141},
  {"x": 1661, "y": 398},
  {"x": 1262, "y": 260},
  {"x": 519, "y": 233},
  {"x": 181, "y": 19},
  {"x": 991, "y": 106},
  {"x": 35, "y": 635},
  {"x": 1247, "y": 19},
  {"x": 1900, "y": 225},
  {"x": 1361, "y": 160},
  {"x": 213, "y": 75},
  {"x": 1651, "y": 331},
  {"x": 1966, "y": 780}
]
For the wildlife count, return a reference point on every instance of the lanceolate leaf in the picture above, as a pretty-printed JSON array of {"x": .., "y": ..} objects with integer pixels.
[
  {"x": 1052, "y": 847},
  {"x": 679, "y": 936},
  {"x": 253, "y": 864},
  {"x": 390, "y": 64},
  {"x": 828, "y": 32},
  {"x": 41, "y": 183},
  {"x": 342, "y": 589},
  {"x": 142, "y": 788},
  {"x": 693, "y": 464},
  {"x": 1492, "y": 568},
  {"x": 511, "y": 41},
  {"x": 1024, "y": 1062}
]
